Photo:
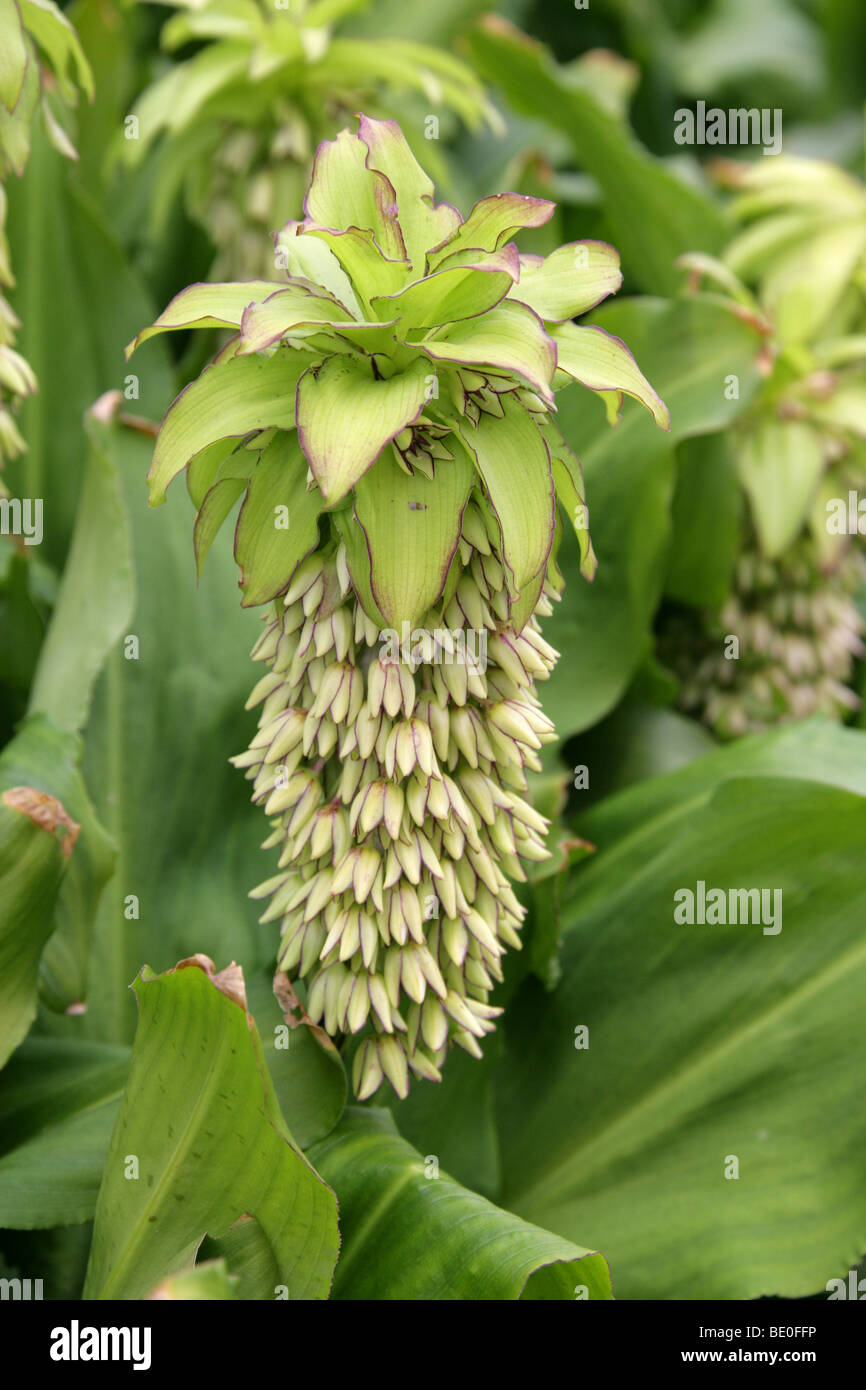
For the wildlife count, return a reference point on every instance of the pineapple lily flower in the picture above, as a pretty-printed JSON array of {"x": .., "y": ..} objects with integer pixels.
[
  {"x": 386, "y": 412},
  {"x": 796, "y": 269}
]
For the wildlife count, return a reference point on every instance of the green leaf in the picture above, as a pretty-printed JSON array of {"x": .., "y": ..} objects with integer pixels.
[
  {"x": 568, "y": 282},
  {"x": 603, "y": 363},
  {"x": 215, "y": 508},
  {"x": 513, "y": 460},
  {"x": 306, "y": 1069},
  {"x": 286, "y": 309},
  {"x": 47, "y": 758},
  {"x": 411, "y": 1237},
  {"x": 492, "y": 222},
  {"x": 32, "y": 859},
  {"x": 210, "y": 1142},
  {"x": 344, "y": 192},
  {"x": 674, "y": 217},
  {"x": 346, "y": 416},
  {"x": 571, "y": 493},
  {"x": 805, "y": 284},
  {"x": 780, "y": 463},
  {"x": 690, "y": 350},
  {"x": 13, "y": 55},
  {"x": 210, "y": 1281},
  {"x": 705, "y": 517},
  {"x": 58, "y": 1105},
  {"x": 278, "y": 522},
  {"x": 60, "y": 44},
  {"x": 508, "y": 338},
  {"x": 228, "y": 400},
  {"x": 453, "y": 292},
  {"x": 96, "y": 597},
  {"x": 407, "y": 578},
  {"x": 207, "y": 306},
  {"x": 633, "y": 1135},
  {"x": 422, "y": 224}
]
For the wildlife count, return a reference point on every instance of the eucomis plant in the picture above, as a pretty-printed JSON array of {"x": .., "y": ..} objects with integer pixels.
[
  {"x": 386, "y": 411},
  {"x": 795, "y": 267},
  {"x": 235, "y": 124}
]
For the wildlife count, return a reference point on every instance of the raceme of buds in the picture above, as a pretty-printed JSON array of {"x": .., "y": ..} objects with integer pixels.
[{"x": 385, "y": 411}]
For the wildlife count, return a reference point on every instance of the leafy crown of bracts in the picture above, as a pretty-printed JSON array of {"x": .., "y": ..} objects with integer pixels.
[{"x": 405, "y": 356}]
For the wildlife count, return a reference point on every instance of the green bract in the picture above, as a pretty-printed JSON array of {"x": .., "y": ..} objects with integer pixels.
[{"x": 386, "y": 412}]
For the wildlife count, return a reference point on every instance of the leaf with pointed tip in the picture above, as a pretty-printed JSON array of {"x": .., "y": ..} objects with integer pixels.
[
  {"x": 514, "y": 462},
  {"x": 422, "y": 223},
  {"x": 228, "y": 400},
  {"x": 267, "y": 550},
  {"x": 453, "y": 292},
  {"x": 211, "y": 515},
  {"x": 425, "y": 515},
  {"x": 358, "y": 561},
  {"x": 571, "y": 493},
  {"x": 345, "y": 193},
  {"x": 211, "y": 1144},
  {"x": 492, "y": 222},
  {"x": 510, "y": 338},
  {"x": 407, "y": 1237},
  {"x": 346, "y": 416},
  {"x": 60, "y": 43},
  {"x": 207, "y": 306},
  {"x": 568, "y": 282},
  {"x": 603, "y": 363}
]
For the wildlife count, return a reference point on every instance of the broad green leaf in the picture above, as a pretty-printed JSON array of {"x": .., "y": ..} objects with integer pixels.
[
  {"x": 705, "y": 517},
  {"x": 412, "y": 527},
  {"x": 207, "y": 306},
  {"x": 36, "y": 839},
  {"x": 248, "y": 1257},
  {"x": 47, "y": 758},
  {"x": 228, "y": 400},
  {"x": 509, "y": 338},
  {"x": 603, "y": 363},
  {"x": 58, "y": 1105},
  {"x": 345, "y": 193},
  {"x": 210, "y": 1142},
  {"x": 780, "y": 463},
  {"x": 635, "y": 742},
  {"x": 690, "y": 351},
  {"x": 674, "y": 217},
  {"x": 210, "y": 1282},
  {"x": 492, "y": 222},
  {"x": 346, "y": 416},
  {"x": 513, "y": 460},
  {"x": 568, "y": 282},
  {"x": 278, "y": 522},
  {"x": 306, "y": 1069},
  {"x": 453, "y": 292},
  {"x": 410, "y": 1236},
  {"x": 707, "y": 1043},
  {"x": 96, "y": 595}
]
